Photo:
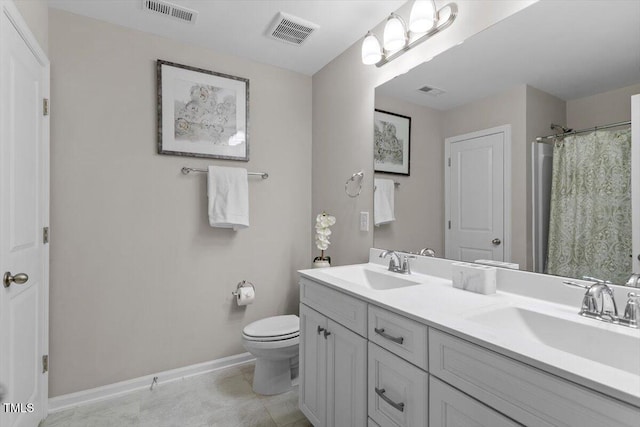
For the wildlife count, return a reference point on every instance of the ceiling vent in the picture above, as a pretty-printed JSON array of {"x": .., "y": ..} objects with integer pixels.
[
  {"x": 291, "y": 29},
  {"x": 432, "y": 91},
  {"x": 171, "y": 10}
]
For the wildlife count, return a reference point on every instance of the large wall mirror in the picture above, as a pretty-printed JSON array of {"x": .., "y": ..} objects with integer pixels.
[{"x": 487, "y": 180}]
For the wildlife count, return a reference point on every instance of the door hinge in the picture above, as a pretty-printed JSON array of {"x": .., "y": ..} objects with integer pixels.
[
  {"x": 45, "y": 363},
  {"x": 45, "y": 106},
  {"x": 449, "y": 224},
  {"x": 449, "y": 161},
  {"x": 45, "y": 235}
]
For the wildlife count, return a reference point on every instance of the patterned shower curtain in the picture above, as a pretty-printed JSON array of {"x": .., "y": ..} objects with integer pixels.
[{"x": 590, "y": 219}]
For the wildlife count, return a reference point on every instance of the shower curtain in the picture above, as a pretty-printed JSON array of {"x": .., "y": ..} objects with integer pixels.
[{"x": 590, "y": 219}]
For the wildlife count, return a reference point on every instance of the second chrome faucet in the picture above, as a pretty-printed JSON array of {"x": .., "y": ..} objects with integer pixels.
[
  {"x": 598, "y": 303},
  {"x": 397, "y": 265}
]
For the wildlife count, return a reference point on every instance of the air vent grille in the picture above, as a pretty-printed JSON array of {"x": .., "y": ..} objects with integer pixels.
[
  {"x": 171, "y": 10},
  {"x": 431, "y": 90},
  {"x": 291, "y": 29}
]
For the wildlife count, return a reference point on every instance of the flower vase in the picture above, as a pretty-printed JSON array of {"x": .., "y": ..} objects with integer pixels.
[{"x": 321, "y": 264}]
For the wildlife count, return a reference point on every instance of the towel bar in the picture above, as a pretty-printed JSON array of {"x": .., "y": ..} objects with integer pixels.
[{"x": 186, "y": 171}]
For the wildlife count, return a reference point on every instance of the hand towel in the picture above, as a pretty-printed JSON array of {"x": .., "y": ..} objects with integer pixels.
[
  {"x": 228, "y": 192},
  {"x": 383, "y": 201}
]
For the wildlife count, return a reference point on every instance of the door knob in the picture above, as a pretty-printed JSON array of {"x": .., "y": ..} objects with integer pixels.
[
  {"x": 496, "y": 241},
  {"x": 19, "y": 279}
]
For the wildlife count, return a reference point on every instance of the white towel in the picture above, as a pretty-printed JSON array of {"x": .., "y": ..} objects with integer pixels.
[
  {"x": 228, "y": 192},
  {"x": 383, "y": 201}
]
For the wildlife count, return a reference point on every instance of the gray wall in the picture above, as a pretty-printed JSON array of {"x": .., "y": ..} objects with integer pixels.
[
  {"x": 420, "y": 197},
  {"x": 601, "y": 109},
  {"x": 139, "y": 281},
  {"x": 36, "y": 15},
  {"x": 343, "y": 104}
]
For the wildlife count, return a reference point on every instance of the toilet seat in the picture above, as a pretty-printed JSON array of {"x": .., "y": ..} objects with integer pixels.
[{"x": 271, "y": 329}]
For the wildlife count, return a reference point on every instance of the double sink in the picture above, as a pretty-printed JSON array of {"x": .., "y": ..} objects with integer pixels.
[{"x": 539, "y": 323}]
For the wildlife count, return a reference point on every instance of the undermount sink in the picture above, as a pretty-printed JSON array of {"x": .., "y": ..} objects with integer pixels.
[
  {"x": 619, "y": 349},
  {"x": 372, "y": 278}
]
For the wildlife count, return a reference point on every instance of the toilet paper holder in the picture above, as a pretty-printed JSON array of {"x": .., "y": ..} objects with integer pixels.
[{"x": 243, "y": 284}]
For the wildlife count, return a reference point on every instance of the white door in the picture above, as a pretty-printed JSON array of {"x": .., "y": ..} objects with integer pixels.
[
  {"x": 23, "y": 214},
  {"x": 475, "y": 196}
]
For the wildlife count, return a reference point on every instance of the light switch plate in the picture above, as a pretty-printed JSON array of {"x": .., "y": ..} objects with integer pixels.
[{"x": 364, "y": 221}]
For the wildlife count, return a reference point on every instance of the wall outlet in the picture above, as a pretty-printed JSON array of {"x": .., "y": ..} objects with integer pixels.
[{"x": 364, "y": 221}]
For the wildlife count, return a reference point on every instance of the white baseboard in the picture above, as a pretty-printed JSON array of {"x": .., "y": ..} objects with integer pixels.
[{"x": 110, "y": 391}]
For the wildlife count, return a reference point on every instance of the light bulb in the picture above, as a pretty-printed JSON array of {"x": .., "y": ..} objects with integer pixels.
[
  {"x": 395, "y": 36},
  {"x": 423, "y": 16},
  {"x": 371, "y": 51}
]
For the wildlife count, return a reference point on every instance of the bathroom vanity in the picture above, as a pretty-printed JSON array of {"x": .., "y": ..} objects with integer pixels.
[{"x": 379, "y": 348}]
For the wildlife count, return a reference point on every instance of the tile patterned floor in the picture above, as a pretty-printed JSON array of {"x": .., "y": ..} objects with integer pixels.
[{"x": 221, "y": 398}]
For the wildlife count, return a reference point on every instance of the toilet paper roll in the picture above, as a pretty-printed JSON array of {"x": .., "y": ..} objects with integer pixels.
[{"x": 246, "y": 295}]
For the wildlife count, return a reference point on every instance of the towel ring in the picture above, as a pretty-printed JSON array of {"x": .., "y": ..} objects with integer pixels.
[{"x": 352, "y": 179}]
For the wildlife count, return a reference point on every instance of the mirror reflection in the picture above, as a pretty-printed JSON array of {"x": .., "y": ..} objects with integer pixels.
[{"x": 520, "y": 145}]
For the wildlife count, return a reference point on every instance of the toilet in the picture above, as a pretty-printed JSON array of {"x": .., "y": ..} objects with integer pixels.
[{"x": 274, "y": 343}]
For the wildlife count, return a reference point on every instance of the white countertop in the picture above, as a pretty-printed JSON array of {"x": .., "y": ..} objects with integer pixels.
[{"x": 438, "y": 304}]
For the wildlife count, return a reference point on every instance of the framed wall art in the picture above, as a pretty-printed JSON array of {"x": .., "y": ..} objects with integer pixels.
[
  {"x": 391, "y": 142},
  {"x": 202, "y": 113}
]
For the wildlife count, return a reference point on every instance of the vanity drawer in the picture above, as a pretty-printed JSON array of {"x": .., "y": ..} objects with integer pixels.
[
  {"x": 449, "y": 407},
  {"x": 397, "y": 390},
  {"x": 404, "y": 337},
  {"x": 344, "y": 309},
  {"x": 521, "y": 392}
]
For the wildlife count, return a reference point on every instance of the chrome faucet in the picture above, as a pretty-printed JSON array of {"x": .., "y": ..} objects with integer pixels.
[
  {"x": 427, "y": 252},
  {"x": 632, "y": 311},
  {"x": 397, "y": 265},
  {"x": 598, "y": 301},
  {"x": 634, "y": 280}
]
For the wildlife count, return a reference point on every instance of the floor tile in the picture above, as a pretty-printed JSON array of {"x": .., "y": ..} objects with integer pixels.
[
  {"x": 221, "y": 398},
  {"x": 283, "y": 408},
  {"x": 60, "y": 419}
]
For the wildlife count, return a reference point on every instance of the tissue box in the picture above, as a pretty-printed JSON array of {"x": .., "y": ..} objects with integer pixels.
[{"x": 472, "y": 277}]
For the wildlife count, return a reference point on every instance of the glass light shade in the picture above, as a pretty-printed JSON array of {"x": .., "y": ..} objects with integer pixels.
[
  {"x": 423, "y": 16},
  {"x": 371, "y": 51},
  {"x": 395, "y": 37}
]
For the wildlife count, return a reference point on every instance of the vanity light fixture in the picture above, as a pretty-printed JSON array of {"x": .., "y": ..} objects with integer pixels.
[{"x": 397, "y": 38}]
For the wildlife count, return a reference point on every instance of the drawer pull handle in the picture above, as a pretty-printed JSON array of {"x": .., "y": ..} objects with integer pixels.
[
  {"x": 381, "y": 332},
  {"x": 398, "y": 406},
  {"x": 320, "y": 329},
  {"x": 326, "y": 334}
]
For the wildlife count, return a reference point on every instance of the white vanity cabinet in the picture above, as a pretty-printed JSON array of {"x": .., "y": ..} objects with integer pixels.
[
  {"x": 333, "y": 359},
  {"x": 364, "y": 365}
]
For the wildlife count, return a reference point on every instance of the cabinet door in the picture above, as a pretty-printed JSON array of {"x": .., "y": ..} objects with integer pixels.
[
  {"x": 313, "y": 366},
  {"x": 346, "y": 378},
  {"x": 450, "y": 408}
]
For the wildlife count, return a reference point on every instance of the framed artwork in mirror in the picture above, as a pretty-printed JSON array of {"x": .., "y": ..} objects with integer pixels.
[
  {"x": 202, "y": 113},
  {"x": 391, "y": 142}
]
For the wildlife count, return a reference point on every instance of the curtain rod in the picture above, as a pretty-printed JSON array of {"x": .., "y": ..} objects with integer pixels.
[
  {"x": 186, "y": 170},
  {"x": 573, "y": 132}
]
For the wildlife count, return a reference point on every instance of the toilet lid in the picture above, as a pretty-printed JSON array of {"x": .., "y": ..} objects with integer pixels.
[{"x": 273, "y": 326}]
